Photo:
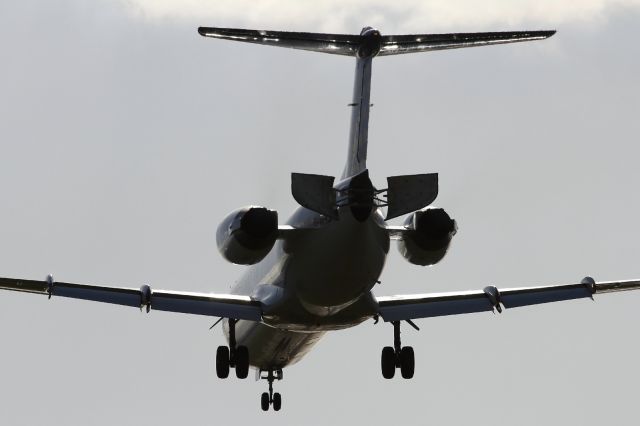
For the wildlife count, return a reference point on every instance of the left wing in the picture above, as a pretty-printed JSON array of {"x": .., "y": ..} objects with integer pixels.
[
  {"x": 398, "y": 308},
  {"x": 218, "y": 305}
]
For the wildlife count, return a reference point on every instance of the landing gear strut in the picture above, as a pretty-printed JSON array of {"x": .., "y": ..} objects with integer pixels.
[
  {"x": 271, "y": 398},
  {"x": 232, "y": 356},
  {"x": 397, "y": 357}
]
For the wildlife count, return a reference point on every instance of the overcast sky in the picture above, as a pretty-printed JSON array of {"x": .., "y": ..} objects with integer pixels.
[{"x": 125, "y": 139}]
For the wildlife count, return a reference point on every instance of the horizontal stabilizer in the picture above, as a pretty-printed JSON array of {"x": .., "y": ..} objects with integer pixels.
[
  {"x": 337, "y": 44},
  {"x": 380, "y": 45},
  {"x": 397, "y": 44}
]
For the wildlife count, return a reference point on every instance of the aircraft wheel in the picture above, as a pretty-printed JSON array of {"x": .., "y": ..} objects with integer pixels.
[
  {"x": 242, "y": 362},
  {"x": 388, "y": 362},
  {"x": 222, "y": 362},
  {"x": 264, "y": 401},
  {"x": 407, "y": 362},
  {"x": 277, "y": 401}
]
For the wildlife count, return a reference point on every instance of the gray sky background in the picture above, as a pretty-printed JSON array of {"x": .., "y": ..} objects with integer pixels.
[{"x": 125, "y": 138}]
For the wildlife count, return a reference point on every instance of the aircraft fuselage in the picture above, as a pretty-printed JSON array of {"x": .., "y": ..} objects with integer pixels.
[{"x": 319, "y": 281}]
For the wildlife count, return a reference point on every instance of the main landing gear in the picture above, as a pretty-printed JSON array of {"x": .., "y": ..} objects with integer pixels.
[
  {"x": 271, "y": 398},
  {"x": 397, "y": 356},
  {"x": 232, "y": 356}
]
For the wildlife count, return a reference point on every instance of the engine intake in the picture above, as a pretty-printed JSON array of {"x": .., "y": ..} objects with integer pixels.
[
  {"x": 428, "y": 236},
  {"x": 247, "y": 235}
]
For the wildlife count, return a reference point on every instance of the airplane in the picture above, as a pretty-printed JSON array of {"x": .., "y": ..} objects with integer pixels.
[{"x": 316, "y": 272}]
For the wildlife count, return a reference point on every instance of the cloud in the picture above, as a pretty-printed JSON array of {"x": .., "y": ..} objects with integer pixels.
[{"x": 397, "y": 16}]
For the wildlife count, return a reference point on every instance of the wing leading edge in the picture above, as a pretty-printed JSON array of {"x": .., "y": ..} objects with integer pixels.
[
  {"x": 218, "y": 305},
  {"x": 398, "y": 308}
]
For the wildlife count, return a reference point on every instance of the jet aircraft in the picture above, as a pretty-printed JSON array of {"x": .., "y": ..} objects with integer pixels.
[{"x": 315, "y": 273}]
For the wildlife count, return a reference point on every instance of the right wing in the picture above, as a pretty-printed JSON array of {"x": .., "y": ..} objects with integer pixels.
[
  {"x": 409, "y": 307},
  {"x": 217, "y": 305}
]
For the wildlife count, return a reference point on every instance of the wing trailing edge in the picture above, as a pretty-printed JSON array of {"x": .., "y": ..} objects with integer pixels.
[
  {"x": 408, "y": 307},
  {"x": 217, "y": 305}
]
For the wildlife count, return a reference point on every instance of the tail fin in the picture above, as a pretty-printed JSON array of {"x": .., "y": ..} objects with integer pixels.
[{"x": 365, "y": 46}]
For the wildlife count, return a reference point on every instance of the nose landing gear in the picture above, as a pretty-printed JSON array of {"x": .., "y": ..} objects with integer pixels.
[
  {"x": 270, "y": 398},
  {"x": 397, "y": 356},
  {"x": 232, "y": 356}
]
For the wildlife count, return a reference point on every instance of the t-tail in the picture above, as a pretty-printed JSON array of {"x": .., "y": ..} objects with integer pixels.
[{"x": 409, "y": 192}]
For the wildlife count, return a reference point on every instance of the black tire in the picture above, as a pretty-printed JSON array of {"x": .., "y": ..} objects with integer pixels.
[
  {"x": 277, "y": 401},
  {"x": 407, "y": 362},
  {"x": 242, "y": 362},
  {"x": 264, "y": 401},
  {"x": 388, "y": 362},
  {"x": 222, "y": 362}
]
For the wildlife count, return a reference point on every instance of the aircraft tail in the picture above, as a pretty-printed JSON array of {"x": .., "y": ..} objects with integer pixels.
[
  {"x": 317, "y": 192},
  {"x": 365, "y": 46}
]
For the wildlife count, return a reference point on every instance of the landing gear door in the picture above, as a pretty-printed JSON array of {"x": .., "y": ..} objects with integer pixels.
[
  {"x": 315, "y": 192},
  {"x": 406, "y": 194}
]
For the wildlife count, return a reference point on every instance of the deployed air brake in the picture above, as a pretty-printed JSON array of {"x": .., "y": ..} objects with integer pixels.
[{"x": 404, "y": 194}]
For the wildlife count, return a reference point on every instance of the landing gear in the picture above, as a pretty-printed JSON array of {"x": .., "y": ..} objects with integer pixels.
[
  {"x": 277, "y": 401},
  {"x": 232, "y": 356},
  {"x": 242, "y": 362},
  {"x": 222, "y": 362},
  {"x": 407, "y": 362},
  {"x": 388, "y": 362},
  {"x": 270, "y": 398},
  {"x": 397, "y": 357}
]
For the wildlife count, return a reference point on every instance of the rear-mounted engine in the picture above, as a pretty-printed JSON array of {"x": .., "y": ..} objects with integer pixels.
[
  {"x": 247, "y": 235},
  {"x": 429, "y": 233}
]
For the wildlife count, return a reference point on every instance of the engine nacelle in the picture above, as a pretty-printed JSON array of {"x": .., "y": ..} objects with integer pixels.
[
  {"x": 247, "y": 235},
  {"x": 429, "y": 233}
]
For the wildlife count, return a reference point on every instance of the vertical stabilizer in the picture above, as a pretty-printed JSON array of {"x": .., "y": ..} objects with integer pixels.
[
  {"x": 361, "y": 103},
  {"x": 359, "y": 129},
  {"x": 365, "y": 46}
]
